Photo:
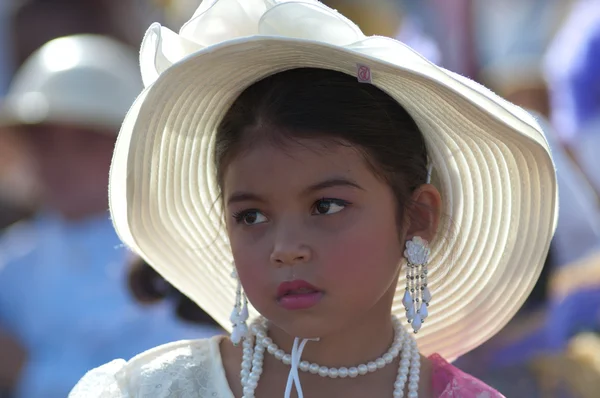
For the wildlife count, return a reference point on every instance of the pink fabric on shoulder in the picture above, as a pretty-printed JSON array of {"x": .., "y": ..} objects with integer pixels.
[{"x": 451, "y": 382}]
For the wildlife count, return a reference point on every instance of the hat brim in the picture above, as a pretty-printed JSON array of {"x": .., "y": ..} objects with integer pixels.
[{"x": 491, "y": 164}]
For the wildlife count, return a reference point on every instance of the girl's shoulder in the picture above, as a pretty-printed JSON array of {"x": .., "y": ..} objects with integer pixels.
[
  {"x": 449, "y": 381},
  {"x": 188, "y": 366}
]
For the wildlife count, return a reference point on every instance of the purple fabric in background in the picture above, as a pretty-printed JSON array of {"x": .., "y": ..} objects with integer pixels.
[{"x": 572, "y": 68}]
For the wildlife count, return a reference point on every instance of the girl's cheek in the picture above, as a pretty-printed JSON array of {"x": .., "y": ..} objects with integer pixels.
[
  {"x": 252, "y": 268},
  {"x": 359, "y": 255}
]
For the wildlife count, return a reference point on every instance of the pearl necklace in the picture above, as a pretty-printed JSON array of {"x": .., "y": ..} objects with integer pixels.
[{"x": 254, "y": 348}]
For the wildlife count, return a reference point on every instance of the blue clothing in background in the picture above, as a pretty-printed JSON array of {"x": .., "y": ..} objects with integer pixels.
[{"x": 64, "y": 294}]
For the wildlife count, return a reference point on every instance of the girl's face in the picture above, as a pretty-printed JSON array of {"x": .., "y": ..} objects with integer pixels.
[{"x": 314, "y": 235}]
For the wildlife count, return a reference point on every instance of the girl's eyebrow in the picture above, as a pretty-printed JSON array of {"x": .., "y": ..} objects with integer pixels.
[
  {"x": 241, "y": 196},
  {"x": 238, "y": 197},
  {"x": 332, "y": 182}
]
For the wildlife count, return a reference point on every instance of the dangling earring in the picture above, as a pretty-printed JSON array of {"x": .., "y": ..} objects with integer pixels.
[
  {"x": 239, "y": 315},
  {"x": 417, "y": 296}
]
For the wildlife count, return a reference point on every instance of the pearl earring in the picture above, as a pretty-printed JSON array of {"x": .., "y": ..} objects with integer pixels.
[
  {"x": 239, "y": 315},
  {"x": 417, "y": 296}
]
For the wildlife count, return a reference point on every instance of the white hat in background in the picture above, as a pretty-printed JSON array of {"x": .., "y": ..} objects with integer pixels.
[{"x": 84, "y": 80}]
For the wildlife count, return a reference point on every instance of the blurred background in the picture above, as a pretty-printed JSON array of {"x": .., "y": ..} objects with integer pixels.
[{"x": 72, "y": 298}]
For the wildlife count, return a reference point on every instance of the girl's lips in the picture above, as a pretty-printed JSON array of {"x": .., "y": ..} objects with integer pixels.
[
  {"x": 298, "y": 295},
  {"x": 295, "y": 287},
  {"x": 300, "y": 301}
]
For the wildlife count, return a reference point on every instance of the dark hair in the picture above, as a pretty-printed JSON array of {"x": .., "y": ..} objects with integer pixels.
[
  {"x": 149, "y": 287},
  {"x": 324, "y": 104}
]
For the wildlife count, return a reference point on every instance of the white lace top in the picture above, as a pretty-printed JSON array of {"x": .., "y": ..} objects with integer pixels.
[
  {"x": 194, "y": 369},
  {"x": 186, "y": 369}
]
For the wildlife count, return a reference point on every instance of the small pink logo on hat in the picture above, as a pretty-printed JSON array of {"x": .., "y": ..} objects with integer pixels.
[{"x": 363, "y": 73}]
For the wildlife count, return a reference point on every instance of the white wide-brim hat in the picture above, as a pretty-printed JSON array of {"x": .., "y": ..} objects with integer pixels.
[{"x": 490, "y": 160}]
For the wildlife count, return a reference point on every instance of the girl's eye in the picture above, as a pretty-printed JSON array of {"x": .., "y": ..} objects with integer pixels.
[
  {"x": 329, "y": 206},
  {"x": 249, "y": 217}
]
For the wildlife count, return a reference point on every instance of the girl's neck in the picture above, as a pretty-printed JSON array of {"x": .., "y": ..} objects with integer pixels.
[{"x": 361, "y": 341}]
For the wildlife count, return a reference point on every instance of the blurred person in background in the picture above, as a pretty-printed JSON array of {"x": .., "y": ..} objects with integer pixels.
[
  {"x": 65, "y": 305},
  {"x": 25, "y": 25}
]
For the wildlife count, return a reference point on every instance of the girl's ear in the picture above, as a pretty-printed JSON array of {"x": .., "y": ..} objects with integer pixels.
[{"x": 424, "y": 211}]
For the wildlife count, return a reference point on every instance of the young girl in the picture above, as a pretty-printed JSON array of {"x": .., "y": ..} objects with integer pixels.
[{"x": 359, "y": 193}]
